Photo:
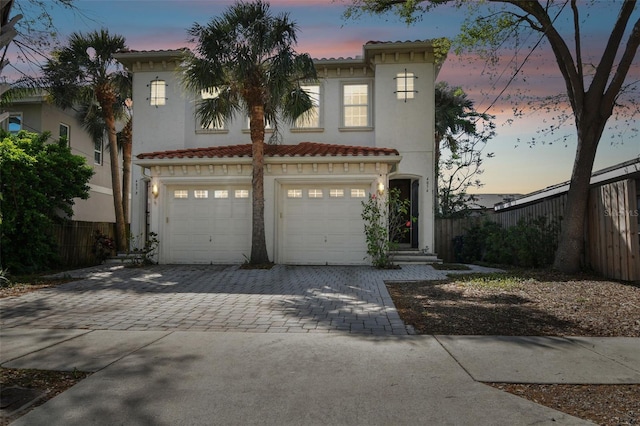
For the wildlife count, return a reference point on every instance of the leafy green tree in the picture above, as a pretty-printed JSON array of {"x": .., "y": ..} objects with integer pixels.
[
  {"x": 85, "y": 73},
  {"x": 29, "y": 25},
  {"x": 455, "y": 115},
  {"x": 246, "y": 58},
  {"x": 38, "y": 183},
  {"x": 594, "y": 91},
  {"x": 463, "y": 133},
  {"x": 460, "y": 170}
]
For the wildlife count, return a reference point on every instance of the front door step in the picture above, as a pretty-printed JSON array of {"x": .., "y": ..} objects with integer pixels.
[
  {"x": 121, "y": 258},
  {"x": 414, "y": 256}
]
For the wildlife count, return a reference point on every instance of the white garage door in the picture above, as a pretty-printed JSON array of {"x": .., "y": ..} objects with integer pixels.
[
  {"x": 208, "y": 224},
  {"x": 322, "y": 224}
]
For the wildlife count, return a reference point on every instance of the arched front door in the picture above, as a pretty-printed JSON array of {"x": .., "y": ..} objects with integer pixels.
[{"x": 408, "y": 191}]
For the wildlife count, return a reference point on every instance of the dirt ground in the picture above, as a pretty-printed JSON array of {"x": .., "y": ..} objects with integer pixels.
[{"x": 534, "y": 303}]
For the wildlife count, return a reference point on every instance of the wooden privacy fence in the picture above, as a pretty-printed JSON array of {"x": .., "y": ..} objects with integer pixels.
[
  {"x": 552, "y": 208},
  {"x": 75, "y": 240},
  {"x": 613, "y": 248},
  {"x": 447, "y": 229},
  {"x": 611, "y": 241}
]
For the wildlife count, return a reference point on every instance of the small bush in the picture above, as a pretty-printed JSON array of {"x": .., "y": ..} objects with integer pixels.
[
  {"x": 103, "y": 246},
  {"x": 531, "y": 243},
  {"x": 384, "y": 224}
]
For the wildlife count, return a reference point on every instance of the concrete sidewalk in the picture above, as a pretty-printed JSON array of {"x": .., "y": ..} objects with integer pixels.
[
  {"x": 203, "y": 378},
  {"x": 208, "y": 345}
]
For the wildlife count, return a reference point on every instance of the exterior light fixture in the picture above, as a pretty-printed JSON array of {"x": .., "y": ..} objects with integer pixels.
[
  {"x": 380, "y": 187},
  {"x": 154, "y": 190}
]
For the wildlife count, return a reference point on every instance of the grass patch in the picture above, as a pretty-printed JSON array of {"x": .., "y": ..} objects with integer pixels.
[{"x": 490, "y": 281}]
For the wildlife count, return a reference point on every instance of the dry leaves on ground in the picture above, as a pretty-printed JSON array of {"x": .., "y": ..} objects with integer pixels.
[
  {"x": 46, "y": 384},
  {"x": 534, "y": 303}
]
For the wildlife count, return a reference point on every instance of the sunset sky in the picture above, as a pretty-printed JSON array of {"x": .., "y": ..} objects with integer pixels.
[{"x": 324, "y": 33}]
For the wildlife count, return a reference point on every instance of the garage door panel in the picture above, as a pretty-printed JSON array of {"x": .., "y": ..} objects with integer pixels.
[
  {"x": 208, "y": 229},
  {"x": 326, "y": 230}
]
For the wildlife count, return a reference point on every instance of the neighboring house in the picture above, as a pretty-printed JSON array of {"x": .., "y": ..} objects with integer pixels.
[
  {"x": 612, "y": 231},
  {"x": 35, "y": 114},
  {"x": 373, "y": 129},
  {"x": 7, "y": 34},
  {"x": 484, "y": 203}
]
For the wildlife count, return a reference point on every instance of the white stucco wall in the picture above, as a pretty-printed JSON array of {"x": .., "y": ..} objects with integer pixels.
[{"x": 407, "y": 127}]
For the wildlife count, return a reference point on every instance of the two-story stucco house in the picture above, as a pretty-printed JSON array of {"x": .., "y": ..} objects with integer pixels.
[
  {"x": 372, "y": 129},
  {"x": 34, "y": 114}
]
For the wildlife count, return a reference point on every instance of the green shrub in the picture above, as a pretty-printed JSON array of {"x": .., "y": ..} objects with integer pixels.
[
  {"x": 531, "y": 243},
  {"x": 38, "y": 182},
  {"x": 384, "y": 224}
]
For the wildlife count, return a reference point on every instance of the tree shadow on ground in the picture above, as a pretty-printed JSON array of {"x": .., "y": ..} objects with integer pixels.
[
  {"x": 432, "y": 309},
  {"x": 305, "y": 299}
]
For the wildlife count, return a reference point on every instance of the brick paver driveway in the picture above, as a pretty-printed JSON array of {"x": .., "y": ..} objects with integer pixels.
[{"x": 218, "y": 298}]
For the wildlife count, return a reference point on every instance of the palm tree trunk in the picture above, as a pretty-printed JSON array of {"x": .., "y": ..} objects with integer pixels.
[
  {"x": 106, "y": 99},
  {"x": 259, "y": 253},
  {"x": 127, "y": 146}
]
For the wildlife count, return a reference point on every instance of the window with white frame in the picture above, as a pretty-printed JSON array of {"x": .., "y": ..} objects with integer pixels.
[
  {"x": 65, "y": 133},
  {"x": 158, "y": 94},
  {"x": 97, "y": 152},
  {"x": 221, "y": 193},
  {"x": 294, "y": 193},
  {"x": 211, "y": 93},
  {"x": 311, "y": 118},
  {"x": 356, "y": 104},
  {"x": 315, "y": 193},
  {"x": 180, "y": 193},
  {"x": 242, "y": 193},
  {"x": 14, "y": 122},
  {"x": 201, "y": 193},
  {"x": 336, "y": 193},
  {"x": 267, "y": 124},
  {"x": 357, "y": 193}
]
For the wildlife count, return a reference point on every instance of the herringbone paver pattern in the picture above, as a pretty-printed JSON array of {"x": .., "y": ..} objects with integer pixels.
[{"x": 292, "y": 299}]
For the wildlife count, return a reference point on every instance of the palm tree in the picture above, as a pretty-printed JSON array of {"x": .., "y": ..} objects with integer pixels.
[
  {"x": 454, "y": 115},
  {"x": 92, "y": 122},
  {"x": 89, "y": 115},
  {"x": 84, "y": 72},
  {"x": 246, "y": 58}
]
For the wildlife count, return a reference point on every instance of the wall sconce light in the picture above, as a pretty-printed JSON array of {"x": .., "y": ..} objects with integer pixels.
[
  {"x": 154, "y": 190},
  {"x": 380, "y": 188}
]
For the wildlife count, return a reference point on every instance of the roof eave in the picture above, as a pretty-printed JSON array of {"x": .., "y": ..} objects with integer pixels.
[
  {"x": 152, "y": 162},
  {"x": 129, "y": 58}
]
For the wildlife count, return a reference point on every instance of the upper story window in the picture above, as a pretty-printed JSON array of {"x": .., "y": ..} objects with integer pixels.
[
  {"x": 267, "y": 125},
  {"x": 97, "y": 152},
  {"x": 356, "y": 104},
  {"x": 311, "y": 119},
  {"x": 158, "y": 92},
  {"x": 14, "y": 123},
  {"x": 214, "y": 126},
  {"x": 405, "y": 85},
  {"x": 65, "y": 133}
]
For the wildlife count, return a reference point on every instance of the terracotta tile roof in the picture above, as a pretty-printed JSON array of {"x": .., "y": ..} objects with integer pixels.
[
  {"x": 304, "y": 149},
  {"x": 178, "y": 50},
  {"x": 395, "y": 42}
]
